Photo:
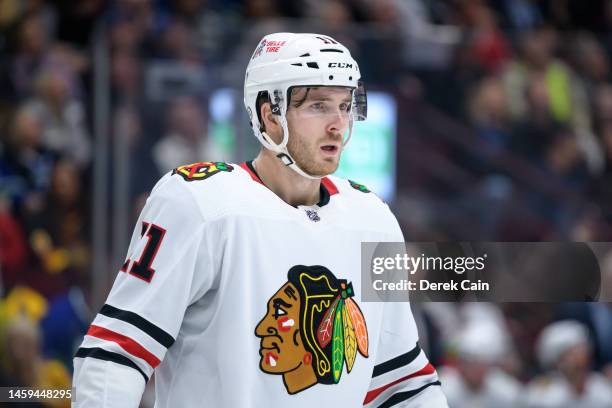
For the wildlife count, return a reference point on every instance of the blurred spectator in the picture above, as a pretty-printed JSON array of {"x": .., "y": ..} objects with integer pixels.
[
  {"x": 35, "y": 51},
  {"x": 26, "y": 364},
  {"x": 62, "y": 118},
  {"x": 488, "y": 47},
  {"x": 126, "y": 78},
  {"x": 426, "y": 44},
  {"x": 178, "y": 42},
  {"x": 31, "y": 53},
  {"x": 475, "y": 380},
  {"x": 590, "y": 59},
  {"x": 186, "y": 140},
  {"x": 597, "y": 318},
  {"x": 534, "y": 131},
  {"x": 537, "y": 56},
  {"x": 25, "y": 165},
  {"x": 58, "y": 232},
  {"x": 125, "y": 37},
  {"x": 134, "y": 26},
  {"x": 564, "y": 350},
  {"x": 489, "y": 113}
]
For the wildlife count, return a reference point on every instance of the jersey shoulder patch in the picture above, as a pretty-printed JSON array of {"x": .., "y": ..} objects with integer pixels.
[
  {"x": 358, "y": 186},
  {"x": 201, "y": 170}
]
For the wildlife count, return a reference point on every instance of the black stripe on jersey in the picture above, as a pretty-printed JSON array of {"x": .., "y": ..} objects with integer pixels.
[
  {"x": 403, "y": 396},
  {"x": 152, "y": 330},
  {"x": 101, "y": 354},
  {"x": 396, "y": 362}
]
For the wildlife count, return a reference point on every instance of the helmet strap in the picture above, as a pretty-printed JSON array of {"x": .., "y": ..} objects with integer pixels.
[{"x": 286, "y": 158}]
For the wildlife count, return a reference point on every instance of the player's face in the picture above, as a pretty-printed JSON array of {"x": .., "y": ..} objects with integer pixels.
[
  {"x": 318, "y": 119},
  {"x": 281, "y": 348}
]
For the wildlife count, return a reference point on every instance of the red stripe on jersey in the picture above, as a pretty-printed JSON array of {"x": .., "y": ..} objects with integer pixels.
[
  {"x": 330, "y": 186},
  {"x": 251, "y": 173},
  {"x": 125, "y": 342},
  {"x": 370, "y": 396}
]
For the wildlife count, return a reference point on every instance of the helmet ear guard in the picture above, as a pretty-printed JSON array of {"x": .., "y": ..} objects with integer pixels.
[
  {"x": 277, "y": 106},
  {"x": 277, "y": 102}
]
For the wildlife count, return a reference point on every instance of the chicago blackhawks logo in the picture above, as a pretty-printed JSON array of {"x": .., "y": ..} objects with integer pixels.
[
  {"x": 311, "y": 330},
  {"x": 202, "y": 170}
]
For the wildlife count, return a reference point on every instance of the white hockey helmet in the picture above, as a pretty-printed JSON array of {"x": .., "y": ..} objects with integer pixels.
[{"x": 282, "y": 61}]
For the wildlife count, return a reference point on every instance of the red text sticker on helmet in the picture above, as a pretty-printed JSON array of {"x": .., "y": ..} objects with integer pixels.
[{"x": 274, "y": 46}]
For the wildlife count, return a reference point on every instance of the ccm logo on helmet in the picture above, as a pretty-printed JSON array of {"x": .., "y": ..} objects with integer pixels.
[{"x": 339, "y": 65}]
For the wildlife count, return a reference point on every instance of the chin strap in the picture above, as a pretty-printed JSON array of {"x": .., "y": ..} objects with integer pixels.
[{"x": 283, "y": 154}]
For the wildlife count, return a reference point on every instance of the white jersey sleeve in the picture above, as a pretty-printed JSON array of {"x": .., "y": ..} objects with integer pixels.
[
  {"x": 402, "y": 375},
  {"x": 165, "y": 271}
]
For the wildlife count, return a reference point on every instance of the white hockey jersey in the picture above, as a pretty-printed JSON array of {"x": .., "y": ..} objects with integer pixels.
[{"x": 235, "y": 298}]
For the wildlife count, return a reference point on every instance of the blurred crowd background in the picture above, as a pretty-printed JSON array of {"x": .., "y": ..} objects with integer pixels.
[{"x": 504, "y": 134}]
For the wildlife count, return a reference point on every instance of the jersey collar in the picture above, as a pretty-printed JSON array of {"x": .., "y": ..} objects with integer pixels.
[{"x": 327, "y": 189}]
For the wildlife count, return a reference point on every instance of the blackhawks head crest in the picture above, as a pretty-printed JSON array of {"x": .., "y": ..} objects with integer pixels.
[
  {"x": 202, "y": 170},
  {"x": 312, "y": 329}
]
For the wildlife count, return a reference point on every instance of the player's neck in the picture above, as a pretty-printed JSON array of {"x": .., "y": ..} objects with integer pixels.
[{"x": 284, "y": 182}]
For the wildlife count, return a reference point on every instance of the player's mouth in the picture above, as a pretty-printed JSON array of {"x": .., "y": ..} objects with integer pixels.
[
  {"x": 330, "y": 149},
  {"x": 271, "y": 359}
]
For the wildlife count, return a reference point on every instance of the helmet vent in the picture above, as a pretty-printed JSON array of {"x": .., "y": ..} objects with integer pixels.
[
  {"x": 331, "y": 50},
  {"x": 312, "y": 65},
  {"x": 305, "y": 55},
  {"x": 297, "y": 64}
]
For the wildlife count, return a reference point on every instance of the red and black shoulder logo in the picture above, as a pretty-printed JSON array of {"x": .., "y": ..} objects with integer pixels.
[
  {"x": 358, "y": 186},
  {"x": 202, "y": 170}
]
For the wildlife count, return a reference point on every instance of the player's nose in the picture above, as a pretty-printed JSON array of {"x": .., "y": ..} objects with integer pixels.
[{"x": 338, "y": 122}]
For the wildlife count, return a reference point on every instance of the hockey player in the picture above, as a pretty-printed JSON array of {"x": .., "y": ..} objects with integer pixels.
[{"x": 242, "y": 285}]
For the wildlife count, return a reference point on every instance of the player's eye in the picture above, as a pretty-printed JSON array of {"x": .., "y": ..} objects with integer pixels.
[
  {"x": 318, "y": 107},
  {"x": 345, "y": 107},
  {"x": 278, "y": 311}
]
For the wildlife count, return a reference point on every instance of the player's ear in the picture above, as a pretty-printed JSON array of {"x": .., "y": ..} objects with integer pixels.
[
  {"x": 269, "y": 119},
  {"x": 271, "y": 123}
]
